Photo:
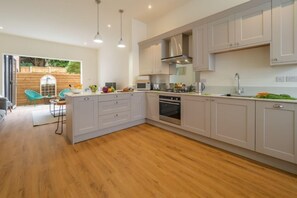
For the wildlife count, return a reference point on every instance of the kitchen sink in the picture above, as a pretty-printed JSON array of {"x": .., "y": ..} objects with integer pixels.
[{"x": 239, "y": 96}]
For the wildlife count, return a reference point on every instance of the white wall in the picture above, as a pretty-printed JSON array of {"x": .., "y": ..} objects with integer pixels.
[
  {"x": 190, "y": 12},
  {"x": 253, "y": 66},
  {"x": 16, "y": 45},
  {"x": 139, "y": 33}
]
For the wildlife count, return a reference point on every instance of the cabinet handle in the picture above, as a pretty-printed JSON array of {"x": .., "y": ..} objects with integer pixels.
[
  {"x": 278, "y": 106},
  {"x": 212, "y": 100},
  {"x": 86, "y": 98},
  {"x": 116, "y": 96},
  {"x": 230, "y": 44},
  {"x": 275, "y": 59},
  {"x": 132, "y": 94},
  {"x": 116, "y": 102}
]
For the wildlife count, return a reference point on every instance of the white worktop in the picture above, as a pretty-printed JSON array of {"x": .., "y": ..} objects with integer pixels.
[{"x": 83, "y": 94}]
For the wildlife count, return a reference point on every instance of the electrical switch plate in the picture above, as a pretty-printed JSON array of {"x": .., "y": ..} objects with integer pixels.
[{"x": 280, "y": 79}]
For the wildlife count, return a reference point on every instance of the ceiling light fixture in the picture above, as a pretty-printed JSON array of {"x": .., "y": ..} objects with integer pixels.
[
  {"x": 98, "y": 38},
  {"x": 149, "y": 6},
  {"x": 121, "y": 42},
  {"x": 1, "y": 28}
]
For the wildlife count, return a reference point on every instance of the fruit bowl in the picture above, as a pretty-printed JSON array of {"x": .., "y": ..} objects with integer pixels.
[{"x": 76, "y": 91}]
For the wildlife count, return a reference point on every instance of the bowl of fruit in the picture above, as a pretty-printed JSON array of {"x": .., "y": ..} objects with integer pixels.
[
  {"x": 76, "y": 89},
  {"x": 93, "y": 88},
  {"x": 108, "y": 89}
]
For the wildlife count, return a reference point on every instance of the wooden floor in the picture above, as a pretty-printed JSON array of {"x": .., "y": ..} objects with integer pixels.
[{"x": 142, "y": 161}]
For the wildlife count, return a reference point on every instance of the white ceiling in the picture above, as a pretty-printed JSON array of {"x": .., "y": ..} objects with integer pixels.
[{"x": 74, "y": 21}]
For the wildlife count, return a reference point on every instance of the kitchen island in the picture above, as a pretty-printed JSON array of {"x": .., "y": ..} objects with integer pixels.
[{"x": 90, "y": 115}]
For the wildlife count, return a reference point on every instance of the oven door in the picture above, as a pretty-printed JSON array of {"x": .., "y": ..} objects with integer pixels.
[{"x": 170, "y": 111}]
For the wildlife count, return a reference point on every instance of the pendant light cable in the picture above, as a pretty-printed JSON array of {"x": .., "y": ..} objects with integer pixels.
[
  {"x": 121, "y": 43},
  {"x": 98, "y": 38}
]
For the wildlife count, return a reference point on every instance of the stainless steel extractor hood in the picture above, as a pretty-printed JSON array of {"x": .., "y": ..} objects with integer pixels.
[{"x": 178, "y": 50}]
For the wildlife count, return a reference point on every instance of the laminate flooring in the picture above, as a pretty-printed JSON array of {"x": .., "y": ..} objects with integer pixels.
[{"x": 143, "y": 161}]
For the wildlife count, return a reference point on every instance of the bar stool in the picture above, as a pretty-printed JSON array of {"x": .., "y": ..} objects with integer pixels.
[{"x": 61, "y": 105}]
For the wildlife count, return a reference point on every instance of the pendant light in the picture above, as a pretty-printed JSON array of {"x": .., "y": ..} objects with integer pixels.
[
  {"x": 98, "y": 38},
  {"x": 121, "y": 42}
]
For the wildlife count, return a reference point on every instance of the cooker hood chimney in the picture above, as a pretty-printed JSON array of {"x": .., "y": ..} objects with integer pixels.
[{"x": 178, "y": 50}]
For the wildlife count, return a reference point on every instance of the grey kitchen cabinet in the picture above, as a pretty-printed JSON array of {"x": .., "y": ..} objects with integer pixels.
[
  {"x": 195, "y": 115},
  {"x": 85, "y": 114},
  {"x": 150, "y": 60},
  {"x": 152, "y": 106},
  {"x": 233, "y": 121},
  {"x": 283, "y": 47},
  {"x": 138, "y": 106},
  {"x": 243, "y": 29},
  {"x": 202, "y": 59},
  {"x": 276, "y": 130}
]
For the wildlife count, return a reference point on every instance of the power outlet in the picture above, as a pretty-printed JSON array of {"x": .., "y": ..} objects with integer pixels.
[
  {"x": 280, "y": 79},
  {"x": 291, "y": 78}
]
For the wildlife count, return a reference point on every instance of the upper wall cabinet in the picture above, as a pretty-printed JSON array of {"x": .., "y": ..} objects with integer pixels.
[
  {"x": 284, "y": 32},
  {"x": 202, "y": 59},
  {"x": 150, "y": 60},
  {"x": 244, "y": 29}
]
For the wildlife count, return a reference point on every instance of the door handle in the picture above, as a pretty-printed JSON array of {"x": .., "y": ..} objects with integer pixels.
[{"x": 278, "y": 106}]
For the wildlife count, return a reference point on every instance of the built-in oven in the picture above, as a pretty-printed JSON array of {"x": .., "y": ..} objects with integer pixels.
[{"x": 170, "y": 109}]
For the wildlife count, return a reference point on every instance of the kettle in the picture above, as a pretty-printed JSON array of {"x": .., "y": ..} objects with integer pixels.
[{"x": 200, "y": 86}]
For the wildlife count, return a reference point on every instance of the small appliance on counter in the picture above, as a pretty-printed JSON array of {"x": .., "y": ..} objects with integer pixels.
[
  {"x": 143, "y": 83},
  {"x": 111, "y": 84}
]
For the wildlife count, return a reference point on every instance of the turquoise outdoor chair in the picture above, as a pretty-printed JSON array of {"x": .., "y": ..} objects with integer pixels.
[
  {"x": 62, "y": 93},
  {"x": 33, "y": 96}
]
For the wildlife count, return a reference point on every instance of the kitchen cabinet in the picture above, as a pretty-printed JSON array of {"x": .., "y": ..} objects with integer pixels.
[
  {"x": 202, "y": 59},
  {"x": 244, "y": 29},
  {"x": 283, "y": 47},
  {"x": 233, "y": 122},
  {"x": 150, "y": 60},
  {"x": 85, "y": 114},
  {"x": 195, "y": 115},
  {"x": 114, "y": 110},
  {"x": 276, "y": 130},
  {"x": 138, "y": 104},
  {"x": 152, "y": 106}
]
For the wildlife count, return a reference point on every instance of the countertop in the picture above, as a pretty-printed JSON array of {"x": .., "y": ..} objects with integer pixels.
[{"x": 242, "y": 97}]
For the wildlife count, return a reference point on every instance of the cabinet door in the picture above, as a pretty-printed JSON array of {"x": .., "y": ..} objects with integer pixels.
[
  {"x": 284, "y": 32},
  {"x": 152, "y": 106},
  {"x": 233, "y": 121},
  {"x": 85, "y": 114},
  {"x": 253, "y": 26},
  {"x": 221, "y": 34},
  {"x": 195, "y": 115},
  {"x": 160, "y": 67},
  {"x": 202, "y": 60},
  {"x": 276, "y": 130},
  {"x": 138, "y": 106},
  {"x": 146, "y": 61}
]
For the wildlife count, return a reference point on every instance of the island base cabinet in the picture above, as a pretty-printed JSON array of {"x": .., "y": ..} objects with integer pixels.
[
  {"x": 84, "y": 114},
  {"x": 233, "y": 122},
  {"x": 276, "y": 130},
  {"x": 114, "y": 119}
]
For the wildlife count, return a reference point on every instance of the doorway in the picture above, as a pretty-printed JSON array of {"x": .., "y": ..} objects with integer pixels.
[{"x": 10, "y": 82}]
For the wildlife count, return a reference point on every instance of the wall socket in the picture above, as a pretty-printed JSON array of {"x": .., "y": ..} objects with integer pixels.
[
  {"x": 286, "y": 79},
  {"x": 291, "y": 78}
]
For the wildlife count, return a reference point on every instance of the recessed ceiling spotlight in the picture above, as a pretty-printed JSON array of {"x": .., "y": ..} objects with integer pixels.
[
  {"x": 85, "y": 43},
  {"x": 1, "y": 28},
  {"x": 109, "y": 26},
  {"x": 149, "y": 6}
]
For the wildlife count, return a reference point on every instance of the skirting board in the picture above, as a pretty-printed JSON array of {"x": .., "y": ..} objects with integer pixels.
[
  {"x": 109, "y": 130},
  {"x": 267, "y": 160}
]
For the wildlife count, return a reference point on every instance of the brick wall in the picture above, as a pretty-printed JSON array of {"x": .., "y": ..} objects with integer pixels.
[{"x": 32, "y": 81}]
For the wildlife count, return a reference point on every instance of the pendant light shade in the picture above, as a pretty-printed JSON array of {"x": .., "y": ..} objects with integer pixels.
[
  {"x": 121, "y": 42},
  {"x": 98, "y": 38}
]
